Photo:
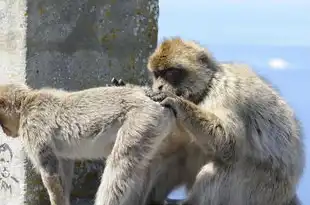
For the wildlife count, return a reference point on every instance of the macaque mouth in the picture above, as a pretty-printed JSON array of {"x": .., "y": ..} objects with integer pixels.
[
  {"x": 178, "y": 93},
  {"x": 8, "y": 132}
]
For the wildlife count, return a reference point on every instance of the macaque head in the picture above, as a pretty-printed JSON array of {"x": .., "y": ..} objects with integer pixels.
[
  {"x": 183, "y": 68},
  {"x": 9, "y": 124},
  {"x": 10, "y": 104}
]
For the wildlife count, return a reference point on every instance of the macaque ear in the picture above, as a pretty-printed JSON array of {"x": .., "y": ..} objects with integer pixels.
[
  {"x": 203, "y": 58},
  {"x": 206, "y": 59}
]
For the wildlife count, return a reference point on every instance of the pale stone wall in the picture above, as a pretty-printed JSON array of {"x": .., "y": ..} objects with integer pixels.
[
  {"x": 71, "y": 45},
  {"x": 12, "y": 68}
]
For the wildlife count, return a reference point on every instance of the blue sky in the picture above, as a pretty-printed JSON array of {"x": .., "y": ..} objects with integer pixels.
[
  {"x": 273, "y": 36},
  {"x": 255, "y": 22}
]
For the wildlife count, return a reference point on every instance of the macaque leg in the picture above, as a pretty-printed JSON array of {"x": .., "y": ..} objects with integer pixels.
[
  {"x": 49, "y": 166},
  {"x": 125, "y": 176},
  {"x": 209, "y": 186},
  {"x": 168, "y": 174}
]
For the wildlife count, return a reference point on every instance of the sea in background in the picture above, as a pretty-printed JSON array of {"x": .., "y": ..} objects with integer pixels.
[{"x": 292, "y": 80}]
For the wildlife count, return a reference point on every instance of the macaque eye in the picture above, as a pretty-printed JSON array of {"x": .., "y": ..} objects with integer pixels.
[
  {"x": 174, "y": 75},
  {"x": 156, "y": 74},
  {"x": 171, "y": 75}
]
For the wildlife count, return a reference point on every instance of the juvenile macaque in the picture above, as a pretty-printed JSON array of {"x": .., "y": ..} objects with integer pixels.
[{"x": 57, "y": 126}]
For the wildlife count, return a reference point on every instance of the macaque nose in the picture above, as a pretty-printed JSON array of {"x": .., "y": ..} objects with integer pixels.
[{"x": 160, "y": 87}]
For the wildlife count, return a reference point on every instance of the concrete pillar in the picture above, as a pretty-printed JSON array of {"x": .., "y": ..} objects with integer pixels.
[
  {"x": 12, "y": 68},
  {"x": 71, "y": 44}
]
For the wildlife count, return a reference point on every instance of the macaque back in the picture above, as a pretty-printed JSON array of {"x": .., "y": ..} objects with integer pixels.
[{"x": 92, "y": 119}]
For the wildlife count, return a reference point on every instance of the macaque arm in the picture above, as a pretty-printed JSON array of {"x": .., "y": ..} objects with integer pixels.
[{"x": 207, "y": 130}]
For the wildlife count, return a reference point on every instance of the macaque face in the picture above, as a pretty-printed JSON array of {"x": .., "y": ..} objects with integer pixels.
[
  {"x": 182, "y": 68},
  {"x": 170, "y": 80},
  {"x": 9, "y": 118},
  {"x": 9, "y": 125}
]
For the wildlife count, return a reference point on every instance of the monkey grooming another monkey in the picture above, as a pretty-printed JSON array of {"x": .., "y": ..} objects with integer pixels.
[
  {"x": 246, "y": 144},
  {"x": 55, "y": 125}
]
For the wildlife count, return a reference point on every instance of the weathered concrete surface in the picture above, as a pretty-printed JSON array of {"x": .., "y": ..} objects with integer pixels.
[
  {"x": 12, "y": 69},
  {"x": 70, "y": 45},
  {"x": 99, "y": 38}
]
